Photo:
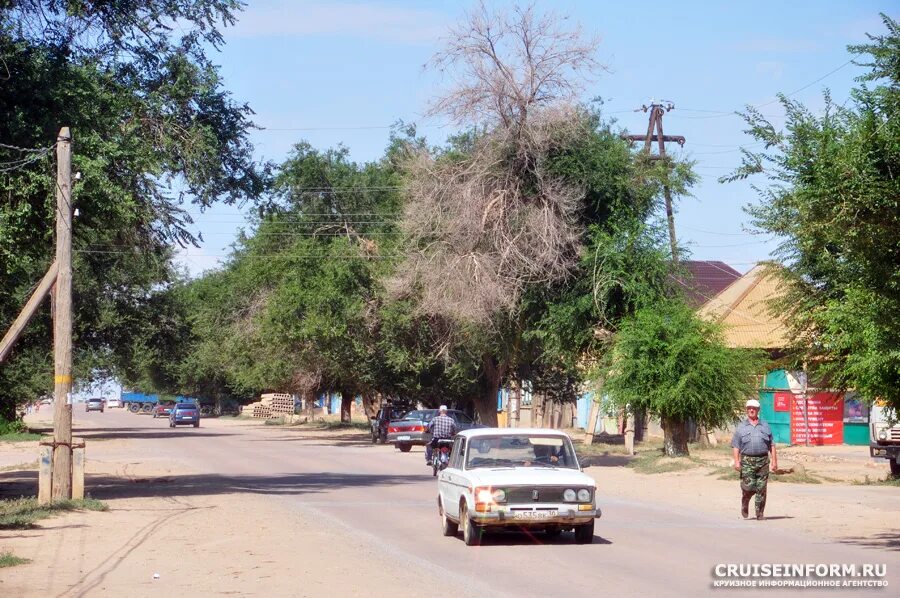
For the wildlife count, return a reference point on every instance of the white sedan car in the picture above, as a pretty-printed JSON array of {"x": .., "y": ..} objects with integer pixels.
[{"x": 519, "y": 478}]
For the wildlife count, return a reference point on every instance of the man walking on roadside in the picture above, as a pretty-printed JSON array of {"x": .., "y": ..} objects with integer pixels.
[{"x": 752, "y": 444}]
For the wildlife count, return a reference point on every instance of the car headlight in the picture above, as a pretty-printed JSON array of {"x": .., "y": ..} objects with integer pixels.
[
  {"x": 882, "y": 435},
  {"x": 490, "y": 495},
  {"x": 569, "y": 495},
  {"x": 584, "y": 495}
]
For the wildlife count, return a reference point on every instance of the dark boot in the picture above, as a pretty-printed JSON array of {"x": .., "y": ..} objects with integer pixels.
[{"x": 745, "y": 503}]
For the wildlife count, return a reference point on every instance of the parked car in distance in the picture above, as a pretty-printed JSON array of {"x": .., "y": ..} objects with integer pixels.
[
  {"x": 411, "y": 428},
  {"x": 379, "y": 424},
  {"x": 163, "y": 410},
  {"x": 184, "y": 413},
  {"x": 94, "y": 405},
  {"x": 110, "y": 403},
  {"x": 500, "y": 478}
]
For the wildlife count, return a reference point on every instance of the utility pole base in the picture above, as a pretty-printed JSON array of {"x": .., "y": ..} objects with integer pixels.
[{"x": 73, "y": 460}]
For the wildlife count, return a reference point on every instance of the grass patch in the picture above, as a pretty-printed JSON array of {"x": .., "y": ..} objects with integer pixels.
[
  {"x": 890, "y": 480},
  {"x": 655, "y": 461},
  {"x": 19, "y": 437},
  {"x": 22, "y": 513},
  {"x": 798, "y": 476},
  {"x": 8, "y": 559}
]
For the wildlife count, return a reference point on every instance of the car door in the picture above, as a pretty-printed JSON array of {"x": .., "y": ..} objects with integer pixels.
[{"x": 452, "y": 479}]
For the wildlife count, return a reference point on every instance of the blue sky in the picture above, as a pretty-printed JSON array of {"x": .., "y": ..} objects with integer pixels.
[{"x": 341, "y": 72}]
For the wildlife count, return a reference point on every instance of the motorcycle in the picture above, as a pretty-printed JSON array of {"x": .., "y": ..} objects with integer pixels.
[{"x": 440, "y": 454}]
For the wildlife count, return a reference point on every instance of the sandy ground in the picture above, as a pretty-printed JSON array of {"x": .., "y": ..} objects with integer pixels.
[{"x": 201, "y": 545}]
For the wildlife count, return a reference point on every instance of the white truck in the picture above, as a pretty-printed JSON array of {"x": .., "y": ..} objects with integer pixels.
[{"x": 884, "y": 436}]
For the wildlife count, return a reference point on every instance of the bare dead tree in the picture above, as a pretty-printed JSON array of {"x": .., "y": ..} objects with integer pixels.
[
  {"x": 484, "y": 227},
  {"x": 504, "y": 65}
]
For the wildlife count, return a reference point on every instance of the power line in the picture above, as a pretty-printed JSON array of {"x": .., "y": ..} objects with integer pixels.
[{"x": 722, "y": 113}]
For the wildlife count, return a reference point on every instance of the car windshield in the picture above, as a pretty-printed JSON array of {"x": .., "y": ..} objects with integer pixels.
[
  {"x": 185, "y": 406},
  {"x": 424, "y": 415},
  {"x": 95, "y": 400},
  {"x": 520, "y": 450}
]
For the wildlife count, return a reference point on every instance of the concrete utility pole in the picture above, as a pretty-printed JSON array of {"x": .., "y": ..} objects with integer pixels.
[
  {"x": 62, "y": 322},
  {"x": 656, "y": 122}
]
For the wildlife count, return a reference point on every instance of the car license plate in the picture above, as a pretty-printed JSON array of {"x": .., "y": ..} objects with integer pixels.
[
  {"x": 402, "y": 437},
  {"x": 533, "y": 515}
]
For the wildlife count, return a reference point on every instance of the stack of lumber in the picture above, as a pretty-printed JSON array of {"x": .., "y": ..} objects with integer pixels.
[{"x": 280, "y": 403}]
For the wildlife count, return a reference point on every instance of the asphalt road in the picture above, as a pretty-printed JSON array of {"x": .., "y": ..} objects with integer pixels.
[{"x": 387, "y": 499}]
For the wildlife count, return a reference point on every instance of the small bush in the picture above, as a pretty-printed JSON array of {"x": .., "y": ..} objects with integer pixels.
[{"x": 8, "y": 559}]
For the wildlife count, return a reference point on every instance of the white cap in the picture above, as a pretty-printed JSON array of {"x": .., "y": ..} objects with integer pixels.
[
  {"x": 442, "y": 408},
  {"x": 752, "y": 403}
]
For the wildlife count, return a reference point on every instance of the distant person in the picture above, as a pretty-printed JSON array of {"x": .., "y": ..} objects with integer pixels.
[
  {"x": 442, "y": 426},
  {"x": 752, "y": 445}
]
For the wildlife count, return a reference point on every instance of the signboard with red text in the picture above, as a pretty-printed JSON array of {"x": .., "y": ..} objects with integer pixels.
[{"x": 825, "y": 424}]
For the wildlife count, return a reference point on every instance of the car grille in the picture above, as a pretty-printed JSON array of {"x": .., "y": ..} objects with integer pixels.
[
  {"x": 894, "y": 434},
  {"x": 544, "y": 494}
]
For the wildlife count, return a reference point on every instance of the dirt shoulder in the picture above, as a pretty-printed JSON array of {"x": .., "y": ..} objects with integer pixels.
[{"x": 826, "y": 492}]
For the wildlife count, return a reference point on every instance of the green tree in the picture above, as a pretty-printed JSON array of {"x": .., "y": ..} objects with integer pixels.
[
  {"x": 834, "y": 197},
  {"x": 669, "y": 363},
  {"x": 152, "y": 129}
]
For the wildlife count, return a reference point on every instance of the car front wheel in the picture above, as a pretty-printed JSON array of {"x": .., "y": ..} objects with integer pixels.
[
  {"x": 449, "y": 528},
  {"x": 584, "y": 534},
  {"x": 895, "y": 468},
  {"x": 472, "y": 534}
]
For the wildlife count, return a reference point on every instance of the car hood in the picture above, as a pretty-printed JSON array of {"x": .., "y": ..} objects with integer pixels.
[{"x": 530, "y": 476}]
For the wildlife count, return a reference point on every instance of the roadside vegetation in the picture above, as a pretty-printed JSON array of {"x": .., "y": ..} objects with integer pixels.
[
  {"x": 16, "y": 431},
  {"x": 8, "y": 559},
  {"x": 22, "y": 513},
  {"x": 530, "y": 250}
]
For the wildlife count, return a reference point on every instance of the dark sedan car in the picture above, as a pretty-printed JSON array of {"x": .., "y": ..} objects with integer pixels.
[
  {"x": 184, "y": 413},
  {"x": 404, "y": 433},
  {"x": 163, "y": 410}
]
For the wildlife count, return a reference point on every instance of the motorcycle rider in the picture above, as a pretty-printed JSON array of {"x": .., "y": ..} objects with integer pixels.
[{"x": 442, "y": 426}]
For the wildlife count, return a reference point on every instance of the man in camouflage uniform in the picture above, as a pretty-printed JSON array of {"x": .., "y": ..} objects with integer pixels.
[{"x": 752, "y": 445}]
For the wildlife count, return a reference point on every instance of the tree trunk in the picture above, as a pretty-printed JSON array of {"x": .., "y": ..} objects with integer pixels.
[
  {"x": 370, "y": 404},
  {"x": 486, "y": 401},
  {"x": 676, "y": 437},
  {"x": 346, "y": 403}
]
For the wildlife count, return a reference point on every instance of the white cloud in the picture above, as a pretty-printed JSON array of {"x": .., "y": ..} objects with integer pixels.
[{"x": 387, "y": 23}]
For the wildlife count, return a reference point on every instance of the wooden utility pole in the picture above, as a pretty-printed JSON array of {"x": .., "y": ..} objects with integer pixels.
[
  {"x": 655, "y": 133},
  {"x": 62, "y": 322}
]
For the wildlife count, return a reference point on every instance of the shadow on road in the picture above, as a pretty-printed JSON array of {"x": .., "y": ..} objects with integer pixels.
[
  {"x": 883, "y": 540},
  {"x": 604, "y": 460},
  {"x": 24, "y": 483},
  {"x": 339, "y": 440},
  {"x": 163, "y": 431},
  {"x": 526, "y": 538}
]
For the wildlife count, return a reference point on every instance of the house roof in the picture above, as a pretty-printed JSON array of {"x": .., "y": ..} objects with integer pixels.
[
  {"x": 706, "y": 279},
  {"x": 742, "y": 308}
]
